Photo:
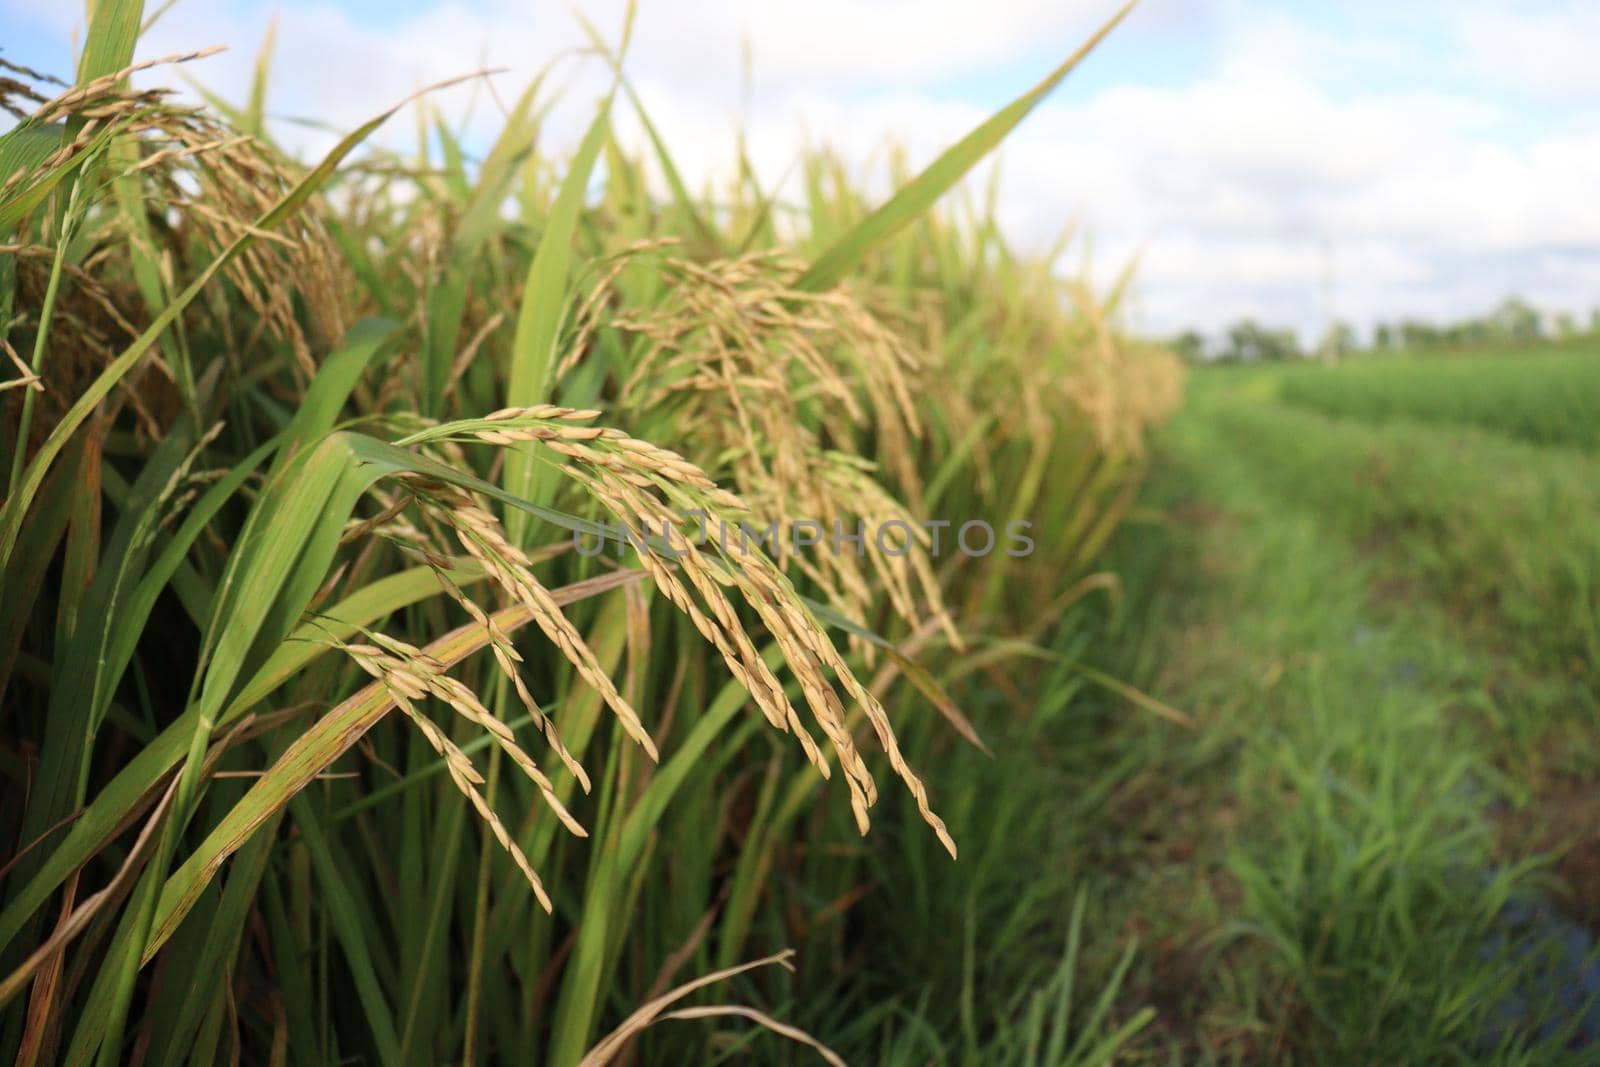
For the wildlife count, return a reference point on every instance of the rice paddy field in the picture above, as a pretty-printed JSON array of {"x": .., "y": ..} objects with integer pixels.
[
  {"x": 1385, "y": 630},
  {"x": 1546, "y": 396},
  {"x": 382, "y": 682}
]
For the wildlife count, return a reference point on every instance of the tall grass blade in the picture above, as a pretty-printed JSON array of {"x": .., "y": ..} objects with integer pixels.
[
  {"x": 915, "y": 198},
  {"x": 543, "y": 309},
  {"x": 108, "y": 45}
]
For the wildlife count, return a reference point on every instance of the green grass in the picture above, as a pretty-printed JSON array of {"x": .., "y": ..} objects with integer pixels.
[
  {"x": 1388, "y": 718},
  {"x": 1548, "y": 395},
  {"x": 1497, "y": 529}
]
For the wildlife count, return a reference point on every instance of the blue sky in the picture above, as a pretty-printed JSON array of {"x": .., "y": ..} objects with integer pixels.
[{"x": 1291, "y": 161}]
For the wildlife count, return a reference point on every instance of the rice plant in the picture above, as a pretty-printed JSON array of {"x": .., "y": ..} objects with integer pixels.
[{"x": 328, "y": 733}]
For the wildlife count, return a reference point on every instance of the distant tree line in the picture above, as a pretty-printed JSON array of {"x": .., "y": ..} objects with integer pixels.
[{"x": 1513, "y": 321}]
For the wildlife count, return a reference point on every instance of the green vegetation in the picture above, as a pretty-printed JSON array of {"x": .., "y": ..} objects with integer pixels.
[
  {"x": 329, "y": 736},
  {"x": 1392, "y": 763},
  {"x": 1514, "y": 327},
  {"x": 322, "y": 744},
  {"x": 1513, "y": 323},
  {"x": 1547, "y": 395},
  {"x": 1496, "y": 528}
]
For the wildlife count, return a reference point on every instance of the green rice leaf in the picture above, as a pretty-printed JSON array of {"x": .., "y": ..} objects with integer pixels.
[
  {"x": 544, "y": 303},
  {"x": 119, "y": 803},
  {"x": 325, "y": 741},
  {"x": 917, "y": 195},
  {"x": 113, "y": 31}
]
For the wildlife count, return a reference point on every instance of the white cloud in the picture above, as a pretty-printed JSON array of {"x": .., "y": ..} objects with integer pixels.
[
  {"x": 1548, "y": 49},
  {"x": 1292, "y": 154},
  {"x": 697, "y": 46}
]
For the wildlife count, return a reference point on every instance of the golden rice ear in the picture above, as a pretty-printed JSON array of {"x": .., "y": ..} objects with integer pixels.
[
  {"x": 754, "y": 363},
  {"x": 209, "y": 180},
  {"x": 409, "y": 674},
  {"x": 654, "y": 491},
  {"x": 609, "y": 1047},
  {"x": 219, "y": 181}
]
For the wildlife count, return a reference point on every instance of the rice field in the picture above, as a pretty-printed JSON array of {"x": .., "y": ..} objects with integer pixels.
[
  {"x": 380, "y": 682},
  {"x": 1494, "y": 526},
  {"x": 1376, "y": 842},
  {"x": 501, "y": 603},
  {"x": 1546, "y": 394}
]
